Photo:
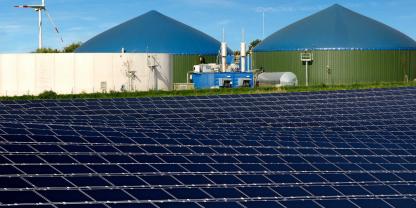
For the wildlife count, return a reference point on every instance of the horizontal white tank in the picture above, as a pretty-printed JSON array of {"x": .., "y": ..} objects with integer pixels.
[{"x": 279, "y": 79}]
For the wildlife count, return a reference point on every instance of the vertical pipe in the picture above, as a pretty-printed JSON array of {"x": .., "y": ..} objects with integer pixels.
[
  {"x": 243, "y": 64},
  {"x": 40, "y": 24},
  {"x": 250, "y": 60},
  {"x": 223, "y": 56},
  {"x": 223, "y": 52},
  {"x": 243, "y": 54},
  {"x": 155, "y": 72},
  {"x": 156, "y": 79}
]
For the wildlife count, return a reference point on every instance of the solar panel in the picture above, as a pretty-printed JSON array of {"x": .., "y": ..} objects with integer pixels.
[{"x": 324, "y": 149}]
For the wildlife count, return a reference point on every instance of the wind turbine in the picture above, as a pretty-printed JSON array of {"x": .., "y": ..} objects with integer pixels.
[{"x": 39, "y": 9}]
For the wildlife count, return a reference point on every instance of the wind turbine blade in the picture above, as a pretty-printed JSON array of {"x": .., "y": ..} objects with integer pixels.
[
  {"x": 30, "y": 6},
  {"x": 54, "y": 25}
]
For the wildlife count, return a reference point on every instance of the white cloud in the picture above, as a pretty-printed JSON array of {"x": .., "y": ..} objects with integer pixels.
[
  {"x": 72, "y": 29},
  {"x": 221, "y": 3},
  {"x": 290, "y": 8},
  {"x": 224, "y": 22},
  {"x": 265, "y": 9},
  {"x": 11, "y": 27}
]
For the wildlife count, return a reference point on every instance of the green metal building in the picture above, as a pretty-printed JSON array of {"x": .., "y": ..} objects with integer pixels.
[{"x": 346, "y": 47}]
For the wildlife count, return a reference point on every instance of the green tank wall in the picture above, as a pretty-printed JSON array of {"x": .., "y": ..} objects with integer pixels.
[
  {"x": 182, "y": 64},
  {"x": 342, "y": 67}
]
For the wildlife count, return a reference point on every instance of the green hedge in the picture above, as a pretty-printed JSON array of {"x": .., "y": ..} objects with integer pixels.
[{"x": 261, "y": 90}]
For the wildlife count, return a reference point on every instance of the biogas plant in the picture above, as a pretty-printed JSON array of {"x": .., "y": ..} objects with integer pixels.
[
  {"x": 337, "y": 148},
  {"x": 332, "y": 47}
]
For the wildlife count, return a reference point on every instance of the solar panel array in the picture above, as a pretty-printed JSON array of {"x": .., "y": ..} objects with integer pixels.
[{"x": 328, "y": 149}]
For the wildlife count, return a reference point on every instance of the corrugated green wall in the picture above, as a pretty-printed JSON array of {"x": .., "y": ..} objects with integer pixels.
[
  {"x": 342, "y": 67},
  {"x": 182, "y": 64}
]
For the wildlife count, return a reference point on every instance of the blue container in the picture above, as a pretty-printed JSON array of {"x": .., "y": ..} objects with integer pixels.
[
  {"x": 223, "y": 80},
  {"x": 203, "y": 80}
]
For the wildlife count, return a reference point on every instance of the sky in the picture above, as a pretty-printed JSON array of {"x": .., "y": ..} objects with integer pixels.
[{"x": 80, "y": 20}]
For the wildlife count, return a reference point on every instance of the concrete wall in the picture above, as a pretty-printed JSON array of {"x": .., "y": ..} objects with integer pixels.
[{"x": 32, "y": 74}]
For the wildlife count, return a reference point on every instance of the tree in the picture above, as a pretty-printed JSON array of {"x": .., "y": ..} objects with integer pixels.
[
  {"x": 68, "y": 49},
  {"x": 253, "y": 44},
  {"x": 47, "y": 50},
  {"x": 72, "y": 47}
]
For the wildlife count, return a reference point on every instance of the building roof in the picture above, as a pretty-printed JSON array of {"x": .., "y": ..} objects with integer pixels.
[
  {"x": 152, "y": 32},
  {"x": 337, "y": 28}
]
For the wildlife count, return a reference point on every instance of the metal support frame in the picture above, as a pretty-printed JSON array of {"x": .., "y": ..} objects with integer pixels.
[{"x": 307, "y": 58}]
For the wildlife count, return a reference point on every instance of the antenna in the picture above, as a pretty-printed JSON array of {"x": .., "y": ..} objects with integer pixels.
[
  {"x": 223, "y": 34},
  {"x": 263, "y": 11},
  {"x": 39, "y": 9},
  {"x": 264, "y": 25}
]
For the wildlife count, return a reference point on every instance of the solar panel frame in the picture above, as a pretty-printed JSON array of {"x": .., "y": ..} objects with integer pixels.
[{"x": 346, "y": 147}]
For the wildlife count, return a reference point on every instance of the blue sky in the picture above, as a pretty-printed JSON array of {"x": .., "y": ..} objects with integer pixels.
[{"x": 80, "y": 20}]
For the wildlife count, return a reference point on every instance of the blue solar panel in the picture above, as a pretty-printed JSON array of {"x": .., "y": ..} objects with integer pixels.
[
  {"x": 64, "y": 195},
  {"x": 20, "y": 197},
  {"x": 324, "y": 149}
]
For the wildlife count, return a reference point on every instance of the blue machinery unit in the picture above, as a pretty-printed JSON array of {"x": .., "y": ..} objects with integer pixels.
[
  {"x": 223, "y": 80},
  {"x": 213, "y": 75}
]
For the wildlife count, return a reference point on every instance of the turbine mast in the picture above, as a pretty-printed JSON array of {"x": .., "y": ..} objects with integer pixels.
[
  {"x": 40, "y": 27},
  {"x": 43, "y": 6}
]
